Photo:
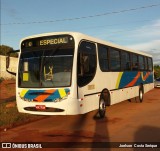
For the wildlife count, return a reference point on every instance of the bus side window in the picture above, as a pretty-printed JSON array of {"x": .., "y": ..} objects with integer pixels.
[
  {"x": 145, "y": 62},
  {"x": 150, "y": 64},
  {"x": 141, "y": 63},
  {"x": 86, "y": 63},
  {"x": 103, "y": 58},
  {"x": 125, "y": 61},
  {"x": 134, "y": 62},
  {"x": 115, "y": 64}
]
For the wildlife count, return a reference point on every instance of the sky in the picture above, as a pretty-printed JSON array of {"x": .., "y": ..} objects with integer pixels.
[{"x": 134, "y": 24}]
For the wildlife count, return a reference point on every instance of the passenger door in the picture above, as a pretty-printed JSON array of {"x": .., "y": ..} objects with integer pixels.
[{"x": 86, "y": 70}]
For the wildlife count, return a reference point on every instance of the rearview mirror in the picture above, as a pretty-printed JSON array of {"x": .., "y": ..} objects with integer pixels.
[{"x": 8, "y": 61}]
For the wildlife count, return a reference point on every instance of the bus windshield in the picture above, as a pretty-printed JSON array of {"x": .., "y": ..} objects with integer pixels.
[{"x": 46, "y": 68}]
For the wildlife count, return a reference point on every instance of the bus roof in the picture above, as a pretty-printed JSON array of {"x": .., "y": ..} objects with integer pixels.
[{"x": 81, "y": 36}]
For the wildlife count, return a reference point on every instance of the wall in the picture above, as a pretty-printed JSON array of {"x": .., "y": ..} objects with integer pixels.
[{"x": 13, "y": 67}]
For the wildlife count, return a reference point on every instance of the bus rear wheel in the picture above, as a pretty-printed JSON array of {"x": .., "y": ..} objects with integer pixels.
[
  {"x": 141, "y": 94},
  {"x": 102, "y": 107}
]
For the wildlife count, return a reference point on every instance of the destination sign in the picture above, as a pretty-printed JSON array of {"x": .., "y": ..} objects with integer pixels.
[
  {"x": 53, "y": 41},
  {"x": 47, "y": 41}
]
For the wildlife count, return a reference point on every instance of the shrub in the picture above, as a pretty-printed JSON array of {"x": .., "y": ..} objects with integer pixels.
[{"x": 1, "y": 79}]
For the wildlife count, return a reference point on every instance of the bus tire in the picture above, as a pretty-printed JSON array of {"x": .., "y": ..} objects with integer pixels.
[
  {"x": 102, "y": 107},
  {"x": 141, "y": 94},
  {"x": 103, "y": 102}
]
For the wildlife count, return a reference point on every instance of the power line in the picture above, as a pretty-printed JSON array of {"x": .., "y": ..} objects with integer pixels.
[
  {"x": 102, "y": 26},
  {"x": 109, "y": 33},
  {"x": 116, "y": 24},
  {"x": 85, "y": 17}
]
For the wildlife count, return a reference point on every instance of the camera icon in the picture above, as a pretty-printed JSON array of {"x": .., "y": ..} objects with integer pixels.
[{"x": 6, "y": 145}]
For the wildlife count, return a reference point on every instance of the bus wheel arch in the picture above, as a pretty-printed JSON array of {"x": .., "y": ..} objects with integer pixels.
[{"x": 104, "y": 101}]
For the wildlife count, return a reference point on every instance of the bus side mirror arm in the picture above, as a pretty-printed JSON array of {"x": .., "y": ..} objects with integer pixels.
[{"x": 8, "y": 61}]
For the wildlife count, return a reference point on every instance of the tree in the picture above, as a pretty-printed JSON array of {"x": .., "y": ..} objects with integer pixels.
[
  {"x": 5, "y": 49},
  {"x": 156, "y": 71}
]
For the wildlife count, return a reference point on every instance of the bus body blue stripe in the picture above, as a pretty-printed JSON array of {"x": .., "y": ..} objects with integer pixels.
[
  {"x": 127, "y": 77},
  {"x": 31, "y": 94}
]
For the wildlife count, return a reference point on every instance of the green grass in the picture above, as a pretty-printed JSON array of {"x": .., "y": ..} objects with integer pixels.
[
  {"x": 10, "y": 117},
  {"x": 1, "y": 79}
]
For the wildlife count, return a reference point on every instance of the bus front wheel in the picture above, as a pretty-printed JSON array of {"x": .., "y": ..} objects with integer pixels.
[{"x": 103, "y": 102}]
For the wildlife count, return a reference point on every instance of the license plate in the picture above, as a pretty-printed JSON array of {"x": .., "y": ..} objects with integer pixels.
[{"x": 40, "y": 107}]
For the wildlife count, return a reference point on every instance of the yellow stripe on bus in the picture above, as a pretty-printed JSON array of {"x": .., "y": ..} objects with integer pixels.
[
  {"x": 118, "y": 79},
  {"x": 23, "y": 92},
  {"x": 62, "y": 92}
]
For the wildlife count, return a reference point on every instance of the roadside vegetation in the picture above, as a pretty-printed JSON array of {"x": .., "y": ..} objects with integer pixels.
[
  {"x": 10, "y": 117},
  {"x": 156, "y": 71},
  {"x": 1, "y": 79},
  {"x": 5, "y": 49}
]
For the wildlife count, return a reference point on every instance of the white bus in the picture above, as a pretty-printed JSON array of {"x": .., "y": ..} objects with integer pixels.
[{"x": 68, "y": 73}]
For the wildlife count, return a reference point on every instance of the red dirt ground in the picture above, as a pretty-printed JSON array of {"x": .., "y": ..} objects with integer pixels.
[{"x": 7, "y": 90}]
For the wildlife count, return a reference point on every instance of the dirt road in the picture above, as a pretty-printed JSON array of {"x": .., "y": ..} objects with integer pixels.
[{"x": 124, "y": 122}]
